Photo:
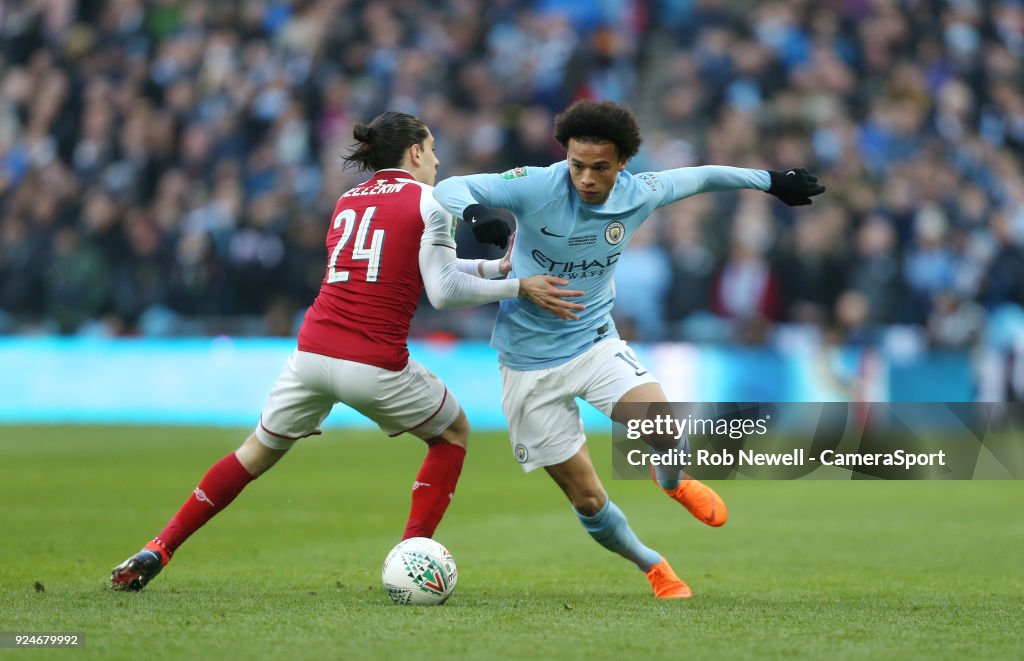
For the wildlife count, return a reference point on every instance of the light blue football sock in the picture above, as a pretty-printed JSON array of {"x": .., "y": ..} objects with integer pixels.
[
  {"x": 669, "y": 476},
  {"x": 610, "y": 529}
]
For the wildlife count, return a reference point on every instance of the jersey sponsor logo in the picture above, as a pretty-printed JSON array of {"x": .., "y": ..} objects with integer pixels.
[
  {"x": 571, "y": 269},
  {"x": 614, "y": 233},
  {"x": 514, "y": 173},
  {"x": 522, "y": 454},
  {"x": 651, "y": 179},
  {"x": 545, "y": 232}
]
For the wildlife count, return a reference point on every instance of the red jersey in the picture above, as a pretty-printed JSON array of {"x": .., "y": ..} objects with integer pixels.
[{"x": 373, "y": 283}]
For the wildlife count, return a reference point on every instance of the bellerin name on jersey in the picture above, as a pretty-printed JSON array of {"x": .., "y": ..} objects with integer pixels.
[{"x": 379, "y": 189}]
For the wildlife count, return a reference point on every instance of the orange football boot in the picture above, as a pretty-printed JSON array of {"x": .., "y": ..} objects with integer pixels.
[
  {"x": 665, "y": 582},
  {"x": 700, "y": 499}
]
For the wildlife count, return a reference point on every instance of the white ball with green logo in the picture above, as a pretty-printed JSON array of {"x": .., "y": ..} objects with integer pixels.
[{"x": 419, "y": 571}]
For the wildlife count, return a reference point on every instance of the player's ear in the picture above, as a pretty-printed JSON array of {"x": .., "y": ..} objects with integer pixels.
[
  {"x": 415, "y": 153},
  {"x": 622, "y": 165}
]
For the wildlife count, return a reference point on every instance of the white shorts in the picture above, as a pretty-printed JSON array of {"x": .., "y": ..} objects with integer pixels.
[
  {"x": 412, "y": 400},
  {"x": 544, "y": 421}
]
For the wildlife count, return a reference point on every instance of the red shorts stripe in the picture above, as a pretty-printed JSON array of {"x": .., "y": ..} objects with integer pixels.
[
  {"x": 444, "y": 398},
  {"x": 295, "y": 438}
]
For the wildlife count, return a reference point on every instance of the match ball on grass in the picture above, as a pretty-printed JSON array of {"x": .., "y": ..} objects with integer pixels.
[{"x": 419, "y": 571}]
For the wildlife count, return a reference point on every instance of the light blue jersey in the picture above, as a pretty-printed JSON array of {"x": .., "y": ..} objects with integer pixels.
[{"x": 558, "y": 234}]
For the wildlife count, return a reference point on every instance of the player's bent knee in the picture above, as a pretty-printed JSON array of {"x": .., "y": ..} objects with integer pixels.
[
  {"x": 457, "y": 433},
  {"x": 256, "y": 457},
  {"x": 589, "y": 504}
]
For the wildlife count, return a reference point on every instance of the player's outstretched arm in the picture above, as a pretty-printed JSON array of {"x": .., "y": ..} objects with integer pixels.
[
  {"x": 545, "y": 292},
  {"x": 794, "y": 187}
]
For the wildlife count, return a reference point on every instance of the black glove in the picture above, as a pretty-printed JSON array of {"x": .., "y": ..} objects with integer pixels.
[
  {"x": 487, "y": 224},
  {"x": 794, "y": 187}
]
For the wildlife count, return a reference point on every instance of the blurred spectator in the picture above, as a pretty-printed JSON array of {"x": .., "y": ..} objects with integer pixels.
[
  {"x": 643, "y": 275},
  {"x": 530, "y": 141},
  {"x": 813, "y": 270},
  {"x": 197, "y": 281},
  {"x": 853, "y": 325},
  {"x": 141, "y": 276},
  {"x": 746, "y": 290},
  {"x": 955, "y": 323},
  {"x": 78, "y": 282},
  {"x": 256, "y": 257},
  {"x": 929, "y": 267},
  {"x": 691, "y": 264},
  {"x": 875, "y": 271}
]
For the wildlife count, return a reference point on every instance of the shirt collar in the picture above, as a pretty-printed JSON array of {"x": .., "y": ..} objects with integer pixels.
[{"x": 393, "y": 172}]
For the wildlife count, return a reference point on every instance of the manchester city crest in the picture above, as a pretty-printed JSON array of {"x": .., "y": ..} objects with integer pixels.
[{"x": 614, "y": 232}]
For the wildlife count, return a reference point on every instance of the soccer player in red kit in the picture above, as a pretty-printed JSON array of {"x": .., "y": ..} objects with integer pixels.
[{"x": 388, "y": 241}]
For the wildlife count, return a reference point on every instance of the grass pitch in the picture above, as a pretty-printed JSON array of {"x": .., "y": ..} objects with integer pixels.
[{"x": 807, "y": 569}]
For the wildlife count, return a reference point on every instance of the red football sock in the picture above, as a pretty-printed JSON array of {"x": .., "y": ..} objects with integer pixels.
[
  {"x": 433, "y": 489},
  {"x": 216, "y": 490}
]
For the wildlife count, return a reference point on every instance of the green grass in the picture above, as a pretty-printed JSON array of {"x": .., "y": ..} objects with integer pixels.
[{"x": 810, "y": 569}]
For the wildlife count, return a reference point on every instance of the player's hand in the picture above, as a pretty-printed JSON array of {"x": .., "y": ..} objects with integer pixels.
[
  {"x": 487, "y": 225},
  {"x": 795, "y": 187},
  {"x": 544, "y": 291},
  {"x": 505, "y": 265}
]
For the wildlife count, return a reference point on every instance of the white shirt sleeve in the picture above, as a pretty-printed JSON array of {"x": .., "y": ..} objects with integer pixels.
[
  {"x": 481, "y": 268},
  {"x": 447, "y": 284},
  {"x": 469, "y": 266}
]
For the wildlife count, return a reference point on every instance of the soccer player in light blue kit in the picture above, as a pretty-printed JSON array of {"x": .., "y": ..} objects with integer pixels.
[{"x": 574, "y": 220}]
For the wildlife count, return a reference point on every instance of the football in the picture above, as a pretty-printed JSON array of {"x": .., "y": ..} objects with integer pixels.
[{"x": 419, "y": 571}]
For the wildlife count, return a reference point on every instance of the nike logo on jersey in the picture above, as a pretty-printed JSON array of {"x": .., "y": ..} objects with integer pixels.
[
  {"x": 545, "y": 232},
  {"x": 416, "y": 484}
]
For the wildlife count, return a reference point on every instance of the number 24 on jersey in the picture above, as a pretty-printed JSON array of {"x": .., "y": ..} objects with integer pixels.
[{"x": 346, "y": 221}]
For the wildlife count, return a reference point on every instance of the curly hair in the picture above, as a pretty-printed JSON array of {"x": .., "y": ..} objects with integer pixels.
[
  {"x": 599, "y": 121},
  {"x": 381, "y": 144}
]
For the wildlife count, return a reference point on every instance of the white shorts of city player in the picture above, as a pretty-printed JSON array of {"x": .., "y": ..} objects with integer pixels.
[
  {"x": 544, "y": 421},
  {"x": 412, "y": 400}
]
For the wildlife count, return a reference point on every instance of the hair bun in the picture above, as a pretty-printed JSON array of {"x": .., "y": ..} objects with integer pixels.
[{"x": 363, "y": 132}]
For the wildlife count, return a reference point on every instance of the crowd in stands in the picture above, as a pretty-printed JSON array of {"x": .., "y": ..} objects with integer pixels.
[{"x": 169, "y": 167}]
